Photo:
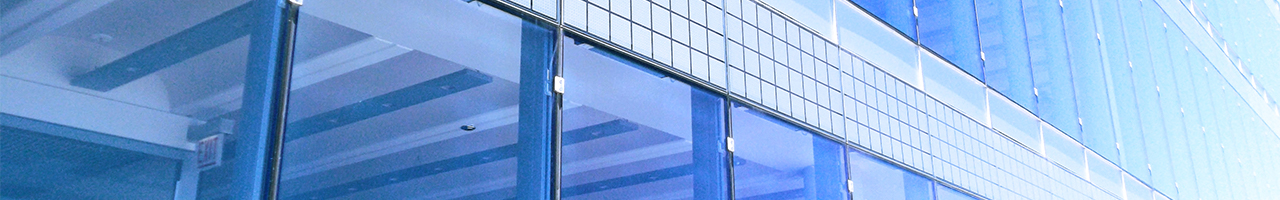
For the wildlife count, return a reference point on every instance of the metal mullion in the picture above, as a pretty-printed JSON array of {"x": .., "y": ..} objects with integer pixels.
[
  {"x": 557, "y": 111},
  {"x": 728, "y": 133},
  {"x": 286, "y": 22},
  {"x": 727, "y": 112}
]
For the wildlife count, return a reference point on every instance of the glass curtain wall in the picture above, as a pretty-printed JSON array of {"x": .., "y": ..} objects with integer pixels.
[
  {"x": 1006, "y": 64},
  {"x": 111, "y": 99},
  {"x": 949, "y": 28},
  {"x": 901, "y": 14},
  {"x": 872, "y": 178},
  {"x": 775, "y": 160},
  {"x": 400, "y": 99},
  {"x": 630, "y": 132},
  {"x": 418, "y": 99}
]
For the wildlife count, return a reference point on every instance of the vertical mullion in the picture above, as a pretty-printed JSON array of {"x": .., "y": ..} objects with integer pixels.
[
  {"x": 260, "y": 135},
  {"x": 557, "y": 111}
]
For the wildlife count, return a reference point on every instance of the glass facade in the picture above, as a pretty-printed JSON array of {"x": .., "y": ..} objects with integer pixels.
[
  {"x": 377, "y": 111},
  {"x": 110, "y": 99},
  {"x": 637, "y": 99},
  {"x": 632, "y": 132}
]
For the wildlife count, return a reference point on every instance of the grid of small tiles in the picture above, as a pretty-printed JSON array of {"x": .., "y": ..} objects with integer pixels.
[
  {"x": 544, "y": 7},
  {"x": 888, "y": 111},
  {"x": 774, "y": 62},
  {"x": 890, "y": 117},
  {"x": 874, "y": 109},
  {"x": 684, "y": 34}
]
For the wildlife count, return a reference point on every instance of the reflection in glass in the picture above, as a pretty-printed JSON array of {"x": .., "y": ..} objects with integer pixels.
[
  {"x": 1051, "y": 72},
  {"x": 1127, "y": 129},
  {"x": 874, "y": 179},
  {"x": 775, "y": 160},
  {"x": 634, "y": 133},
  {"x": 948, "y": 27},
  {"x": 898, "y": 13},
  {"x": 437, "y": 100},
  {"x": 1093, "y": 127},
  {"x": 1006, "y": 65},
  {"x": 108, "y": 99}
]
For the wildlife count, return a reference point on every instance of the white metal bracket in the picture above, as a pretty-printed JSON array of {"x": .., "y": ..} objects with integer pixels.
[
  {"x": 558, "y": 85},
  {"x": 849, "y": 185},
  {"x": 728, "y": 143}
]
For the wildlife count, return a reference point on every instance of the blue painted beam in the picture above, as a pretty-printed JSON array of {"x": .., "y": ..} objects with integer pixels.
[
  {"x": 410, "y": 173},
  {"x": 219, "y": 30},
  {"x": 788, "y": 194},
  {"x": 455, "y": 163},
  {"x": 386, "y": 103},
  {"x": 626, "y": 181},
  {"x": 592, "y": 132}
]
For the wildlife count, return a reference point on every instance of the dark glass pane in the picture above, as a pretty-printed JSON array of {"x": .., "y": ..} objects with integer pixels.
[
  {"x": 1006, "y": 65},
  {"x": 1055, "y": 96},
  {"x": 949, "y": 28},
  {"x": 898, "y": 13},
  {"x": 873, "y": 179},
  {"x": 435, "y": 100},
  {"x": 110, "y": 99},
  {"x": 775, "y": 160},
  {"x": 634, "y": 133}
]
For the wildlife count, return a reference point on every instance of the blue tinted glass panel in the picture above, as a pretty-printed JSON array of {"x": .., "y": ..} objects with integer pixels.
[
  {"x": 1055, "y": 95},
  {"x": 1136, "y": 155},
  {"x": 1062, "y": 150},
  {"x": 1136, "y": 190},
  {"x": 1173, "y": 107},
  {"x": 1160, "y": 97},
  {"x": 946, "y": 193},
  {"x": 633, "y": 133},
  {"x": 1089, "y": 78},
  {"x": 382, "y": 111},
  {"x": 108, "y": 99},
  {"x": 874, "y": 179},
  {"x": 898, "y": 13},
  {"x": 775, "y": 160},
  {"x": 815, "y": 14},
  {"x": 1007, "y": 66},
  {"x": 1013, "y": 121},
  {"x": 1205, "y": 92},
  {"x": 949, "y": 28},
  {"x": 1103, "y": 174},
  {"x": 879, "y": 44},
  {"x": 1127, "y": 129}
]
